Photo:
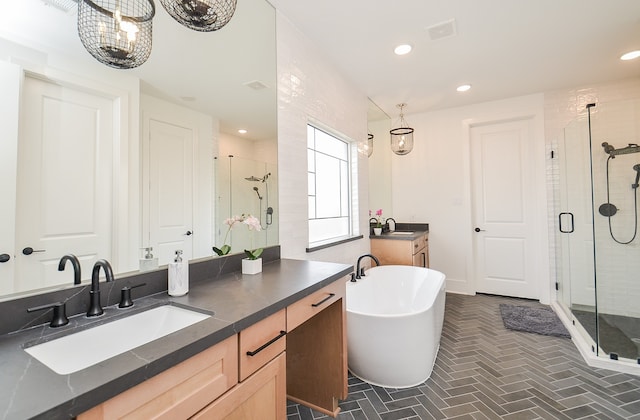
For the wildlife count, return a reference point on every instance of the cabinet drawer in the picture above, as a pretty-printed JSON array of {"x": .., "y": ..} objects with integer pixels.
[
  {"x": 419, "y": 244},
  {"x": 262, "y": 342},
  {"x": 308, "y": 306},
  {"x": 178, "y": 392}
]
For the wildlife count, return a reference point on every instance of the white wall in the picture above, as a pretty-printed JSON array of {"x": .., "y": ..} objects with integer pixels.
[
  {"x": 309, "y": 89},
  {"x": 431, "y": 184}
]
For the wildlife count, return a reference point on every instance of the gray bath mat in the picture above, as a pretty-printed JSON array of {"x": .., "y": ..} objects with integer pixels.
[{"x": 535, "y": 320}]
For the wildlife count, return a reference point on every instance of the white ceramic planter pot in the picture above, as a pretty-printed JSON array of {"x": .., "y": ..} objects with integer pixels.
[{"x": 251, "y": 266}]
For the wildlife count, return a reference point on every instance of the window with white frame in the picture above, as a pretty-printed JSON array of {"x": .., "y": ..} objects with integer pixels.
[{"x": 330, "y": 198}]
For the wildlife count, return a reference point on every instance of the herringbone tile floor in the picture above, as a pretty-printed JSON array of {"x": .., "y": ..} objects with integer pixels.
[{"x": 484, "y": 371}]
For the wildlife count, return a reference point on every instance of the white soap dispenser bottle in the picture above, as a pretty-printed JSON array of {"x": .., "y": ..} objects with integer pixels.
[
  {"x": 178, "y": 276},
  {"x": 148, "y": 261}
]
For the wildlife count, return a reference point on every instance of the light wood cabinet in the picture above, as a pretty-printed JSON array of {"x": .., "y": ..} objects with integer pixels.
[
  {"x": 317, "y": 349},
  {"x": 262, "y": 342},
  {"x": 178, "y": 392},
  {"x": 402, "y": 251},
  {"x": 261, "y": 397},
  {"x": 300, "y": 352}
]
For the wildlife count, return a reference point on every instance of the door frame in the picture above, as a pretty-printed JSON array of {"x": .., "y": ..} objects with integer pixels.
[{"x": 541, "y": 245}]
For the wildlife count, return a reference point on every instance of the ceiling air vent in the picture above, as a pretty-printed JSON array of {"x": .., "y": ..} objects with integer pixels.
[
  {"x": 67, "y": 6},
  {"x": 442, "y": 30},
  {"x": 256, "y": 85}
]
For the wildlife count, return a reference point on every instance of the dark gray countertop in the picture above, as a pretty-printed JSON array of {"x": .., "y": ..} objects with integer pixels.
[
  {"x": 417, "y": 229},
  {"x": 400, "y": 237},
  {"x": 31, "y": 390}
]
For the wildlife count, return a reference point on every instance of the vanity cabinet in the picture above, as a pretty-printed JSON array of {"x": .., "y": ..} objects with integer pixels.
[
  {"x": 262, "y": 396},
  {"x": 317, "y": 349},
  {"x": 299, "y": 352},
  {"x": 402, "y": 251},
  {"x": 179, "y": 392}
]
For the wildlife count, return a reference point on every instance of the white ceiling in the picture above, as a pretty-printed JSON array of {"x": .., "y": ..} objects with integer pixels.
[{"x": 503, "y": 48}]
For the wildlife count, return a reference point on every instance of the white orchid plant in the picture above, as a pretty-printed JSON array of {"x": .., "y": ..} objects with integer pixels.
[{"x": 252, "y": 223}]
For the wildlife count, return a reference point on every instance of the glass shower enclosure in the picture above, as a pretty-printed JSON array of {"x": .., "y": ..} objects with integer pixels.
[{"x": 597, "y": 238}]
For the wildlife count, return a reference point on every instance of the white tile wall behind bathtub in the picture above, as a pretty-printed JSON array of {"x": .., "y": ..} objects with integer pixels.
[
  {"x": 562, "y": 107},
  {"x": 310, "y": 88}
]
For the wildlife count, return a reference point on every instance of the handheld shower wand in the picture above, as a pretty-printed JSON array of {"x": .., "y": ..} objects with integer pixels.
[
  {"x": 636, "y": 168},
  {"x": 257, "y": 192}
]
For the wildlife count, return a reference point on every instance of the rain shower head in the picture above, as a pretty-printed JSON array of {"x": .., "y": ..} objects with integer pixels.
[{"x": 256, "y": 179}]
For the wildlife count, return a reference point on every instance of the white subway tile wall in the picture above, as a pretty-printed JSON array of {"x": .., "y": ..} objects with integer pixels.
[{"x": 311, "y": 90}]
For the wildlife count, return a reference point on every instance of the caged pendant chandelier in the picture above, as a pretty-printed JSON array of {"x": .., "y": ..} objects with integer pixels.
[
  {"x": 116, "y": 32},
  {"x": 402, "y": 136},
  {"x": 201, "y": 15}
]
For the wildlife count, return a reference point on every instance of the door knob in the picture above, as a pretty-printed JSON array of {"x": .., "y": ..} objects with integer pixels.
[
  {"x": 28, "y": 250},
  {"x": 189, "y": 233},
  {"x": 4, "y": 258},
  {"x": 478, "y": 230}
]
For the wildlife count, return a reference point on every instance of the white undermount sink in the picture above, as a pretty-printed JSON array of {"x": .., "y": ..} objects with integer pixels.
[
  {"x": 402, "y": 232},
  {"x": 86, "y": 348}
]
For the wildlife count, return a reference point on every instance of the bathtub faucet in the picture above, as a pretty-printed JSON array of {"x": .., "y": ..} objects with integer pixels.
[{"x": 360, "y": 271}]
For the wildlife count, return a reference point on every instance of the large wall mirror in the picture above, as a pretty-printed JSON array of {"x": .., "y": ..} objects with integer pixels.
[
  {"x": 102, "y": 163},
  {"x": 380, "y": 187}
]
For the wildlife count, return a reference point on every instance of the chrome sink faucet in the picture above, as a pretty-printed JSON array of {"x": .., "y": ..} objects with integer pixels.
[
  {"x": 95, "y": 307},
  {"x": 360, "y": 271}
]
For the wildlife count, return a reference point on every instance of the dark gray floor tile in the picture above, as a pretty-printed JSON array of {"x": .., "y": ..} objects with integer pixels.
[
  {"x": 398, "y": 414},
  {"x": 579, "y": 412},
  {"x": 484, "y": 371}
]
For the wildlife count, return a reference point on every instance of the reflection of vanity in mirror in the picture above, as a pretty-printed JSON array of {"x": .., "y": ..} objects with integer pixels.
[{"x": 102, "y": 163}]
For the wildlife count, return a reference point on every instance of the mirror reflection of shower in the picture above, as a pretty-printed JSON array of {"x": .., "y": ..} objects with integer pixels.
[
  {"x": 268, "y": 212},
  {"x": 246, "y": 186},
  {"x": 608, "y": 209}
]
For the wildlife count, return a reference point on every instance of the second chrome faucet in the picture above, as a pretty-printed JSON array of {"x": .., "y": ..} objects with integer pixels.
[{"x": 95, "y": 307}]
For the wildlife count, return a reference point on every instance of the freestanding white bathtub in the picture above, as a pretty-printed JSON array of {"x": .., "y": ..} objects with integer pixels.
[{"x": 394, "y": 323}]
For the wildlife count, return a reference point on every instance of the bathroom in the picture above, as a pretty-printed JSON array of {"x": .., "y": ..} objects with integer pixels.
[{"x": 432, "y": 159}]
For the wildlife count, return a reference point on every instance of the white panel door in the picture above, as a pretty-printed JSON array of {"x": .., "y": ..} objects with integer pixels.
[
  {"x": 170, "y": 189},
  {"x": 502, "y": 189},
  {"x": 65, "y": 181}
]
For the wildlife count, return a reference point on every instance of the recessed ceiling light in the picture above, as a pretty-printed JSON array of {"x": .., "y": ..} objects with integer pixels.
[
  {"x": 402, "y": 49},
  {"x": 630, "y": 55},
  {"x": 463, "y": 88},
  {"x": 242, "y": 131}
]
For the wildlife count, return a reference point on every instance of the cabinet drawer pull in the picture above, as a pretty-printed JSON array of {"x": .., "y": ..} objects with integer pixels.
[
  {"x": 265, "y": 345},
  {"x": 315, "y": 305}
]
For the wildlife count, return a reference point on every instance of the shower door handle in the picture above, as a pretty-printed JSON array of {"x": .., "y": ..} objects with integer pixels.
[{"x": 560, "y": 218}]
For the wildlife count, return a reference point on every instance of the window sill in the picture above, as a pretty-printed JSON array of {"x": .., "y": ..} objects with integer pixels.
[{"x": 332, "y": 242}]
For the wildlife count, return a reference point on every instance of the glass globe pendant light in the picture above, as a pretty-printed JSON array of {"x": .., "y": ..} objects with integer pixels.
[
  {"x": 402, "y": 136},
  {"x": 116, "y": 32}
]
